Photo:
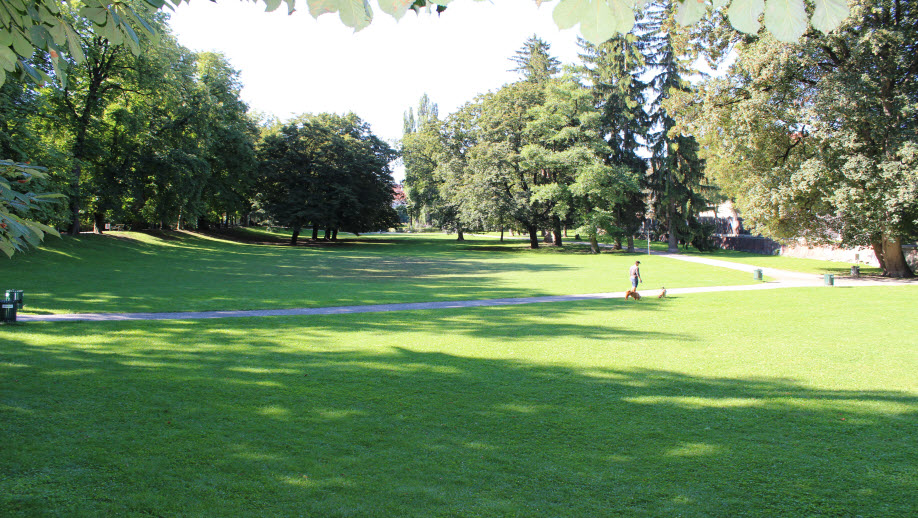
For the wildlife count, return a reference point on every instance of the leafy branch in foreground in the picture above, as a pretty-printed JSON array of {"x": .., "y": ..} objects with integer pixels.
[
  {"x": 17, "y": 232},
  {"x": 27, "y": 26}
]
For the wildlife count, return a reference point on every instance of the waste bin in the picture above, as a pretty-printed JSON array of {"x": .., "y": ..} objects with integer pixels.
[
  {"x": 7, "y": 311},
  {"x": 757, "y": 274},
  {"x": 855, "y": 271},
  {"x": 829, "y": 279},
  {"x": 15, "y": 296}
]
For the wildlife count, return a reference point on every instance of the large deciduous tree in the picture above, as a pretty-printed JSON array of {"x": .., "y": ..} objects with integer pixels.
[
  {"x": 818, "y": 139},
  {"x": 328, "y": 171}
]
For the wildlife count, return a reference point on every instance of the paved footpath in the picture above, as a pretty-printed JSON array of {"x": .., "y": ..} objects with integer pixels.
[{"x": 782, "y": 279}]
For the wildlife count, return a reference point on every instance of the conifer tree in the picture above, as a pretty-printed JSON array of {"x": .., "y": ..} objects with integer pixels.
[
  {"x": 613, "y": 72},
  {"x": 675, "y": 180}
]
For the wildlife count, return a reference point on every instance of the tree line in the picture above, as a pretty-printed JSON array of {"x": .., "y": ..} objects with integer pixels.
[
  {"x": 812, "y": 140},
  {"x": 162, "y": 139},
  {"x": 589, "y": 148}
]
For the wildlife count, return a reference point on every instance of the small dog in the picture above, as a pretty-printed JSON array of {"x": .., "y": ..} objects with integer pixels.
[
  {"x": 633, "y": 294},
  {"x": 662, "y": 293}
]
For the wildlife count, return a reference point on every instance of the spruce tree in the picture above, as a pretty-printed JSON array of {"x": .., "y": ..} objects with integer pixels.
[
  {"x": 675, "y": 178},
  {"x": 613, "y": 71}
]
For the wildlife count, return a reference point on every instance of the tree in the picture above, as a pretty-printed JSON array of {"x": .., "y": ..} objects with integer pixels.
[
  {"x": 613, "y": 71},
  {"x": 817, "y": 139},
  {"x": 534, "y": 61},
  {"x": 327, "y": 170},
  {"x": 676, "y": 178}
]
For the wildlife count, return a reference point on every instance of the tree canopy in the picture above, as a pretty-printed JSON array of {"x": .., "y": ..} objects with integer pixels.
[{"x": 818, "y": 139}]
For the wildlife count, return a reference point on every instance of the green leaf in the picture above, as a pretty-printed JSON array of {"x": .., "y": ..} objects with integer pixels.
[
  {"x": 319, "y": 7},
  {"x": 97, "y": 15},
  {"x": 690, "y": 12},
  {"x": 829, "y": 14},
  {"x": 6, "y": 39},
  {"x": 272, "y": 5},
  {"x": 6, "y": 248},
  {"x": 568, "y": 13},
  {"x": 291, "y": 6},
  {"x": 59, "y": 71},
  {"x": 604, "y": 19},
  {"x": 744, "y": 15},
  {"x": 21, "y": 44},
  {"x": 786, "y": 19},
  {"x": 355, "y": 13},
  {"x": 7, "y": 59},
  {"x": 2, "y": 77},
  {"x": 58, "y": 33},
  {"x": 395, "y": 8},
  {"x": 73, "y": 43}
]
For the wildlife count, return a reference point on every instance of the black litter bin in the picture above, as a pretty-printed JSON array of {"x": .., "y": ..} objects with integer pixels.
[
  {"x": 8, "y": 311},
  {"x": 15, "y": 296}
]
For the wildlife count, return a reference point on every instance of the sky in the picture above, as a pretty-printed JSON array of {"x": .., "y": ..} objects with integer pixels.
[{"x": 297, "y": 64}]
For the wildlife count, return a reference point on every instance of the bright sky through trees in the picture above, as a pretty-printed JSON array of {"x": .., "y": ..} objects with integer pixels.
[{"x": 296, "y": 64}]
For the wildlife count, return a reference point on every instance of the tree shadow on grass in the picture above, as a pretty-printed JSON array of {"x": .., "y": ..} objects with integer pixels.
[{"x": 217, "y": 418}]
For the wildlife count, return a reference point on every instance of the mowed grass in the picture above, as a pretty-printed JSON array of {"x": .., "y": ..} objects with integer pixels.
[
  {"x": 131, "y": 272},
  {"x": 794, "y": 402}
]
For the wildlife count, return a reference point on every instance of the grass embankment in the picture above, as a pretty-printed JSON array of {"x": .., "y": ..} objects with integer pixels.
[
  {"x": 130, "y": 272},
  {"x": 721, "y": 404}
]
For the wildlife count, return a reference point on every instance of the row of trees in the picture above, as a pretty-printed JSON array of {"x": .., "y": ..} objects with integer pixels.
[
  {"x": 817, "y": 139},
  {"x": 592, "y": 148},
  {"x": 162, "y": 138}
]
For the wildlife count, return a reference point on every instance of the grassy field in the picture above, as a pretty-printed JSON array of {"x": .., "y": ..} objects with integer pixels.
[
  {"x": 128, "y": 272},
  {"x": 793, "y": 402}
]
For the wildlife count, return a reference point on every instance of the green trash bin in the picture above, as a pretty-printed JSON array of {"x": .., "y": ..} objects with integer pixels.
[
  {"x": 829, "y": 279},
  {"x": 7, "y": 311},
  {"x": 757, "y": 274},
  {"x": 15, "y": 296}
]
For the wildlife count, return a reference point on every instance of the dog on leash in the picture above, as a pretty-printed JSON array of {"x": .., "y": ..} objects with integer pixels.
[{"x": 633, "y": 294}]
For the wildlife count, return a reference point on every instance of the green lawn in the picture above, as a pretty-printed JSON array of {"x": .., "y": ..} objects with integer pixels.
[
  {"x": 791, "y": 402},
  {"x": 128, "y": 272}
]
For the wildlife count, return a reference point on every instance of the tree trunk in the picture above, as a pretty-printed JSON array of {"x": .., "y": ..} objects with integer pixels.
[
  {"x": 295, "y": 235},
  {"x": 878, "y": 252},
  {"x": 630, "y": 244},
  {"x": 594, "y": 244},
  {"x": 618, "y": 243},
  {"x": 673, "y": 239},
  {"x": 98, "y": 223},
  {"x": 75, "y": 199},
  {"x": 315, "y": 232},
  {"x": 459, "y": 236},
  {"x": 533, "y": 236},
  {"x": 895, "y": 264},
  {"x": 557, "y": 231},
  {"x": 334, "y": 234}
]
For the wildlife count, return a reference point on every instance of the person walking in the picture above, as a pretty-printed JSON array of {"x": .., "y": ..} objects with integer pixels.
[{"x": 635, "y": 273}]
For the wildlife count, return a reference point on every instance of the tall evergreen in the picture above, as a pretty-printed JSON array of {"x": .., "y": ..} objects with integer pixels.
[
  {"x": 534, "y": 61},
  {"x": 675, "y": 179},
  {"x": 613, "y": 71}
]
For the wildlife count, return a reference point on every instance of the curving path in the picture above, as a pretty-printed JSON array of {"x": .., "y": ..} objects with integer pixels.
[{"x": 782, "y": 279}]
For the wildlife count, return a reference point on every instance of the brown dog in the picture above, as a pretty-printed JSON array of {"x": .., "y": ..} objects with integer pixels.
[{"x": 633, "y": 294}]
